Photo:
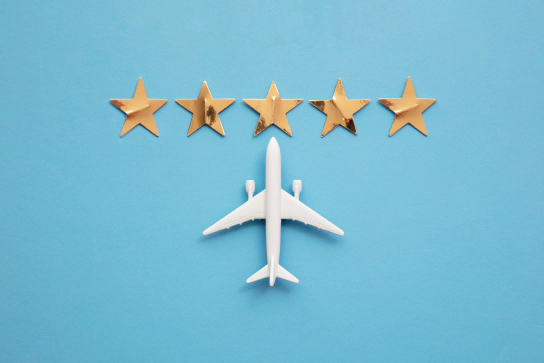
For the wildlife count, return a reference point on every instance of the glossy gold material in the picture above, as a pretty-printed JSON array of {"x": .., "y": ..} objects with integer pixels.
[
  {"x": 205, "y": 110},
  {"x": 339, "y": 110},
  {"x": 273, "y": 111},
  {"x": 408, "y": 109},
  {"x": 139, "y": 110}
]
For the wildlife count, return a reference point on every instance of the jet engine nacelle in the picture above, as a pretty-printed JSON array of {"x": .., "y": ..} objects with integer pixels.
[
  {"x": 297, "y": 188},
  {"x": 250, "y": 188}
]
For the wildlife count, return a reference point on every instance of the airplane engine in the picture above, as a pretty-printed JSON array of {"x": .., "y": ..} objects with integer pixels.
[
  {"x": 250, "y": 188},
  {"x": 297, "y": 188}
]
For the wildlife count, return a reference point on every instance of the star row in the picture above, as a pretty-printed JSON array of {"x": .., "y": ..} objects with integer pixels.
[{"x": 273, "y": 110}]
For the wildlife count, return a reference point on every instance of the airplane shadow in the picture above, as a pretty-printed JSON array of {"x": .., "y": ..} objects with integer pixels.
[
  {"x": 219, "y": 235},
  {"x": 262, "y": 288},
  {"x": 311, "y": 231}
]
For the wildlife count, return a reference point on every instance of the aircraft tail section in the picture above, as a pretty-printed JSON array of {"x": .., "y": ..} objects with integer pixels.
[
  {"x": 286, "y": 275},
  {"x": 259, "y": 275},
  {"x": 272, "y": 276},
  {"x": 272, "y": 271}
]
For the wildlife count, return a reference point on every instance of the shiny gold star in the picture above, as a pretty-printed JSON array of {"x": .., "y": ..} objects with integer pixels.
[
  {"x": 339, "y": 110},
  {"x": 273, "y": 111},
  {"x": 139, "y": 110},
  {"x": 205, "y": 110},
  {"x": 408, "y": 109}
]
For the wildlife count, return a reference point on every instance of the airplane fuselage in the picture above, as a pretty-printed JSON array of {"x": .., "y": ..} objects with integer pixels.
[
  {"x": 273, "y": 204},
  {"x": 273, "y": 208}
]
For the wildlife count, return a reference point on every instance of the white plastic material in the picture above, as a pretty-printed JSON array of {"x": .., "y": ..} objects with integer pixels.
[
  {"x": 250, "y": 188},
  {"x": 297, "y": 188},
  {"x": 273, "y": 204}
]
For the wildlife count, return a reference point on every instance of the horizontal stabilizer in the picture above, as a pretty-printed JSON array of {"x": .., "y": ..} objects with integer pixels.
[
  {"x": 286, "y": 275},
  {"x": 259, "y": 275},
  {"x": 265, "y": 272}
]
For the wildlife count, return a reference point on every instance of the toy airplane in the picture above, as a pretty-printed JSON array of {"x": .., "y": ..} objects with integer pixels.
[{"x": 273, "y": 204}]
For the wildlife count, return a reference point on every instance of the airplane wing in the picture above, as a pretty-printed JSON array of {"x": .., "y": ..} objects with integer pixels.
[
  {"x": 292, "y": 208},
  {"x": 250, "y": 210}
]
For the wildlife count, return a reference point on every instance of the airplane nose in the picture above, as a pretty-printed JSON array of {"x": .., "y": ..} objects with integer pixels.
[{"x": 273, "y": 143}]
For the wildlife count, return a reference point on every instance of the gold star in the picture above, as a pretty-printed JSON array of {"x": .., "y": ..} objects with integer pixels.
[
  {"x": 339, "y": 110},
  {"x": 139, "y": 110},
  {"x": 408, "y": 109},
  {"x": 205, "y": 110},
  {"x": 273, "y": 111}
]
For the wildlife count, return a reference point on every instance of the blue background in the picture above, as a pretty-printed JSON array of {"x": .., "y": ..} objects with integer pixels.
[{"x": 102, "y": 257}]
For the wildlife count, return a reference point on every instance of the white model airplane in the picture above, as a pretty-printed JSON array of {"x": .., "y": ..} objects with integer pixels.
[{"x": 273, "y": 204}]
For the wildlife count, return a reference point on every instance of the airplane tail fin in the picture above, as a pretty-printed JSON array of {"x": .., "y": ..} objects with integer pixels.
[
  {"x": 286, "y": 275},
  {"x": 259, "y": 275},
  {"x": 272, "y": 273}
]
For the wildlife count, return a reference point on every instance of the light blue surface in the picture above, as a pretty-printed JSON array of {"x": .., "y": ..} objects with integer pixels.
[{"x": 101, "y": 253}]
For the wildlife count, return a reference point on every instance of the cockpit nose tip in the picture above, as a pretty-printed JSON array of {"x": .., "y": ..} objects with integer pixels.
[
  {"x": 273, "y": 141},
  {"x": 273, "y": 149}
]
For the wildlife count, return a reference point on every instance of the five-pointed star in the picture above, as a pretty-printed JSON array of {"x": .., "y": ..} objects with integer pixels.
[
  {"x": 205, "y": 110},
  {"x": 408, "y": 109},
  {"x": 339, "y": 110},
  {"x": 139, "y": 110},
  {"x": 273, "y": 111}
]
